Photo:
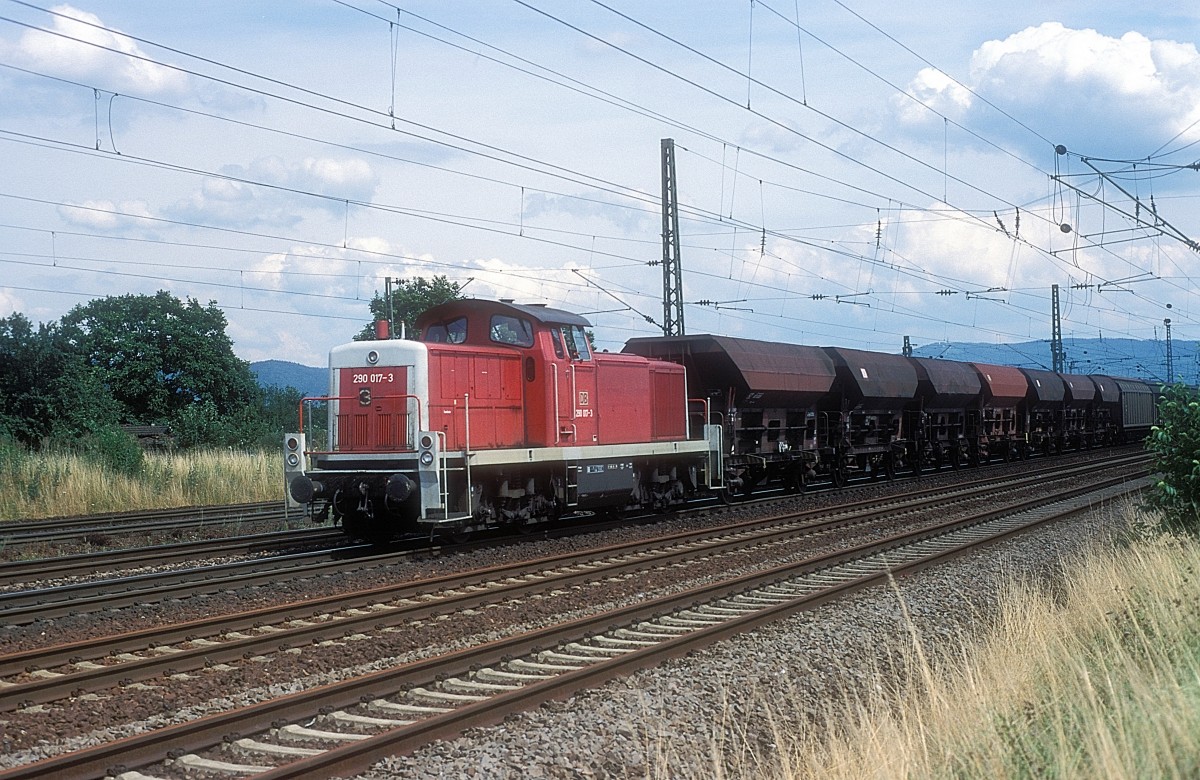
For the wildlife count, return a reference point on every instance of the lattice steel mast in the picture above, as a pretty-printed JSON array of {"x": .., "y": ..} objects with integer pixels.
[
  {"x": 672, "y": 269},
  {"x": 1170, "y": 356},
  {"x": 1057, "y": 356}
]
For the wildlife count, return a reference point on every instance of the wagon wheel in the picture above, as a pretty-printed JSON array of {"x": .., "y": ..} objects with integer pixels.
[
  {"x": 929, "y": 458},
  {"x": 460, "y": 534},
  {"x": 839, "y": 476},
  {"x": 956, "y": 457},
  {"x": 889, "y": 467},
  {"x": 794, "y": 481}
]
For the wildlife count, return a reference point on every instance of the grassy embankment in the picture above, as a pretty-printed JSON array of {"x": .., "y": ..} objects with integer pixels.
[
  {"x": 1099, "y": 678},
  {"x": 34, "y": 485}
]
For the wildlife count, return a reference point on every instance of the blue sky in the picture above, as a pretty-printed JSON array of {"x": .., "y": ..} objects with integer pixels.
[{"x": 849, "y": 172}]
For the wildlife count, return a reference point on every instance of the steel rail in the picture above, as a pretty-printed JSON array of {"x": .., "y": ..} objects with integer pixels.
[
  {"x": 144, "y": 749},
  {"x": 11, "y": 572},
  {"x": 23, "y": 607},
  {"x": 59, "y": 528},
  {"x": 595, "y": 563},
  {"x": 592, "y": 565}
]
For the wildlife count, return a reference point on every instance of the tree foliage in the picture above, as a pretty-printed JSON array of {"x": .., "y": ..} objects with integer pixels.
[
  {"x": 151, "y": 360},
  {"x": 158, "y": 356},
  {"x": 1175, "y": 444},
  {"x": 410, "y": 298},
  {"x": 46, "y": 390}
]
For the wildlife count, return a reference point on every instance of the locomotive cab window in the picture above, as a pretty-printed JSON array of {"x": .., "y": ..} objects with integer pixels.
[
  {"x": 452, "y": 332},
  {"x": 556, "y": 338},
  {"x": 577, "y": 342},
  {"x": 506, "y": 329}
]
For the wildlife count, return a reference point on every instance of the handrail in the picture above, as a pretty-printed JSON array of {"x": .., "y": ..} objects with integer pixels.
[
  {"x": 466, "y": 456},
  {"x": 707, "y": 415},
  {"x": 557, "y": 435}
]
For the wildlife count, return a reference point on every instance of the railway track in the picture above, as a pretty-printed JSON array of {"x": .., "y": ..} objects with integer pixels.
[
  {"x": 17, "y": 537},
  {"x": 13, "y": 573},
  {"x": 469, "y": 687},
  {"x": 20, "y": 607},
  {"x": 60, "y": 529}
]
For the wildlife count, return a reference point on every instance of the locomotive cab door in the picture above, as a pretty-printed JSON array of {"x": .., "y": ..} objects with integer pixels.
[{"x": 575, "y": 387}]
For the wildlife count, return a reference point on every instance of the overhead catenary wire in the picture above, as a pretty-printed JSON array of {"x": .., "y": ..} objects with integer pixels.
[
  {"x": 756, "y": 232},
  {"x": 234, "y": 69}
]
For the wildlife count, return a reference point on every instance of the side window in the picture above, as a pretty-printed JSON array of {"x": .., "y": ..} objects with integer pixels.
[
  {"x": 577, "y": 343},
  {"x": 556, "y": 337},
  {"x": 506, "y": 329}
]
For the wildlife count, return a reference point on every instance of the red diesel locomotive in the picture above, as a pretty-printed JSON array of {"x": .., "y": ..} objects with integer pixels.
[{"x": 501, "y": 415}]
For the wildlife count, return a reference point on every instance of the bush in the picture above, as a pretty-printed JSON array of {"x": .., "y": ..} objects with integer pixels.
[
  {"x": 199, "y": 425},
  {"x": 111, "y": 448},
  {"x": 1175, "y": 444}
]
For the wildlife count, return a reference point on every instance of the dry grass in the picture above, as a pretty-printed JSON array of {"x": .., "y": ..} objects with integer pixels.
[
  {"x": 1101, "y": 679},
  {"x": 54, "y": 485}
]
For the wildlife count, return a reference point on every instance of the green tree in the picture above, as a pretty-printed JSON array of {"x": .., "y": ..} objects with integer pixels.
[
  {"x": 45, "y": 389},
  {"x": 410, "y": 297},
  {"x": 158, "y": 356},
  {"x": 1175, "y": 444}
]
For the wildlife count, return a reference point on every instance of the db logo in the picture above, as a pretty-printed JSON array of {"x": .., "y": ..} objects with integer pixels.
[{"x": 583, "y": 397}]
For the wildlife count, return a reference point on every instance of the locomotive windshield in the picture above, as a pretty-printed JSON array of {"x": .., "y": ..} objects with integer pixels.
[
  {"x": 506, "y": 329},
  {"x": 452, "y": 332}
]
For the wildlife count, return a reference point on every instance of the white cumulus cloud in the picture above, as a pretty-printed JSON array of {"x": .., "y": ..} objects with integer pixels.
[
  {"x": 934, "y": 89},
  {"x": 105, "y": 214},
  {"x": 1094, "y": 93},
  {"x": 77, "y": 44}
]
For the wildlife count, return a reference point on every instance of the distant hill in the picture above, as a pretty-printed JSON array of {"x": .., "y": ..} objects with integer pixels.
[
  {"x": 282, "y": 373},
  {"x": 1114, "y": 357}
]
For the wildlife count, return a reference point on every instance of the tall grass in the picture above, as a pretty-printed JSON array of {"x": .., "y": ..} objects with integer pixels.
[
  {"x": 54, "y": 484},
  {"x": 1098, "y": 679}
]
